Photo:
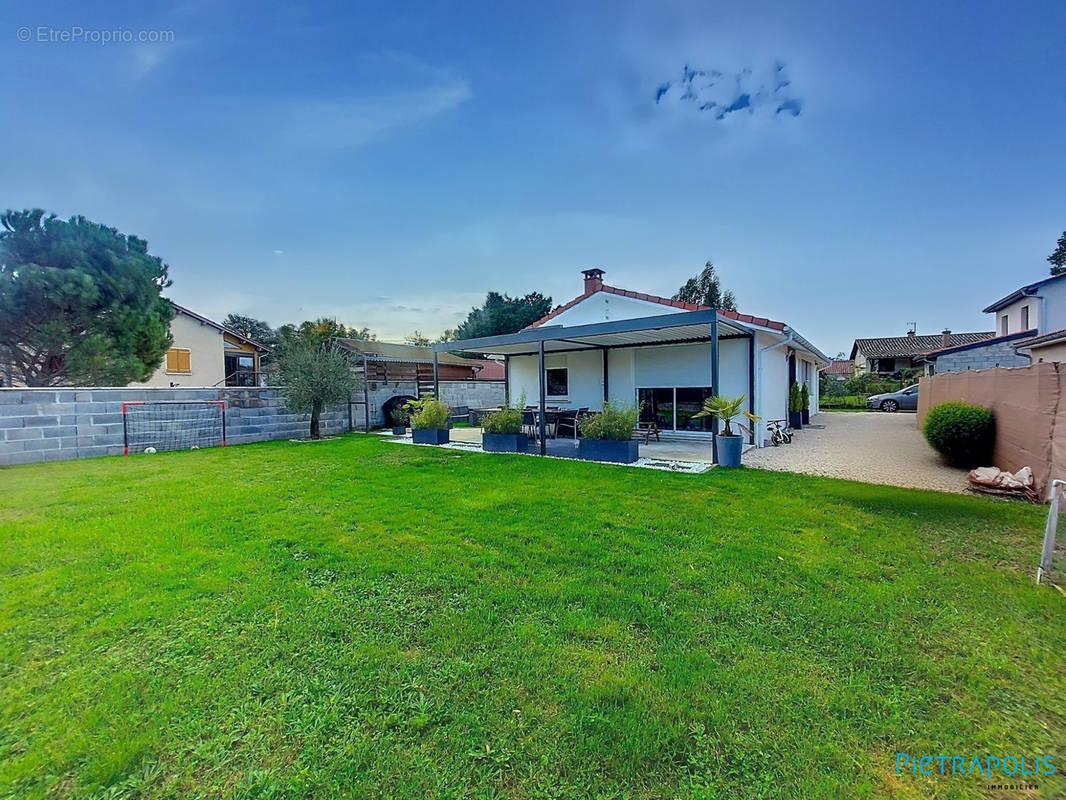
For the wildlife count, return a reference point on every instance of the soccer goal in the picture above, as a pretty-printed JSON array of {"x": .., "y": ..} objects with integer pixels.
[{"x": 149, "y": 427}]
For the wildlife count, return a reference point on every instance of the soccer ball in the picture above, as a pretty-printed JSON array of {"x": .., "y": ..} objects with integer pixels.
[
  {"x": 195, "y": 447},
  {"x": 149, "y": 450}
]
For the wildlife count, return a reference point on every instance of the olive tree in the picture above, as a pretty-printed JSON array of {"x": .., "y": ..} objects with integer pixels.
[{"x": 313, "y": 375}]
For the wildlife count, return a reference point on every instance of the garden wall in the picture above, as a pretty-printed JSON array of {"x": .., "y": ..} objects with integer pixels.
[
  {"x": 59, "y": 424},
  {"x": 1027, "y": 403},
  {"x": 472, "y": 394}
]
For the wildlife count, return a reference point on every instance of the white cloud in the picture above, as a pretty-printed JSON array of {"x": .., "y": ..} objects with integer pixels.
[{"x": 354, "y": 121}]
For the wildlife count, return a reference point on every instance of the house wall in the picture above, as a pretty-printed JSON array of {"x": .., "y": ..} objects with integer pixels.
[
  {"x": 1049, "y": 299},
  {"x": 206, "y": 356},
  {"x": 1049, "y": 353},
  {"x": 605, "y": 306}
]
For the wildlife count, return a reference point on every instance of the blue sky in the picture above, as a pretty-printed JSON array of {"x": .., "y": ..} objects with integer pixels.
[{"x": 850, "y": 168}]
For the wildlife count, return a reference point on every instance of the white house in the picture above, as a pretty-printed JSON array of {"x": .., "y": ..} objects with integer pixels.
[{"x": 626, "y": 347}]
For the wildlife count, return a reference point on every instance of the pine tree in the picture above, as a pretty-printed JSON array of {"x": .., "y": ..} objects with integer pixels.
[
  {"x": 706, "y": 290},
  {"x": 80, "y": 303}
]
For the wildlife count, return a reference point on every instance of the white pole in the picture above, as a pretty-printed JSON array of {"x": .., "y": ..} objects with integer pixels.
[{"x": 1049, "y": 530}]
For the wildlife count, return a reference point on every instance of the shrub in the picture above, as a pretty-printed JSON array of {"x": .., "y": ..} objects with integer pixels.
[
  {"x": 963, "y": 434},
  {"x": 429, "y": 413},
  {"x": 401, "y": 415},
  {"x": 795, "y": 403},
  {"x": 615, "y": 424},
  {"x": 805, "y": 398},
  {"x": 507, "y": 420}
]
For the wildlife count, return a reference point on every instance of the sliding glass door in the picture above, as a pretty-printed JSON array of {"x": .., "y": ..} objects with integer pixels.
[{"x": 672, "y": 408}]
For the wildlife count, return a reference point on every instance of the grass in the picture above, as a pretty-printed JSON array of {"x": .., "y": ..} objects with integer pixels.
[{"x": 356, "y": 618}]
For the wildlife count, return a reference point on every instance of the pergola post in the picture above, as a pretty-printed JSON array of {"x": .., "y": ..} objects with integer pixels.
[
  {"x": 366, "y": 397},
  {"x": 751, "y": 383},
  {"x": 715, "y": 388},
  {"x": 436, "y": 377},
  {"x": 507, "y": 381},
  {"x": 606, "y": 394},
  {"x": 542, "y": 432}
]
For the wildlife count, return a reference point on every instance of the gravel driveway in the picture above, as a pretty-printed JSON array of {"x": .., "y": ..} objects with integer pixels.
[{"x": 873, "y": 447}]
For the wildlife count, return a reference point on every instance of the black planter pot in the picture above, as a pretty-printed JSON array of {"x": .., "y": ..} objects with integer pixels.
[
  {"x": 399, "y": 430},
  {"x": 805, "y": 416},
  {"x": 504, "y": 442},
  {"x": 430, "y": 435},
  {"x": 608, "y": 450},
  {"x": 729, "y": 450},
  {"x": 795, "y": 420}
]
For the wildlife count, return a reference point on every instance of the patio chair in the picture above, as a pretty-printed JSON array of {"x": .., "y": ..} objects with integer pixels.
[
  {"x": 567, "y": 421},
  {"x": 645, "y": 430}
]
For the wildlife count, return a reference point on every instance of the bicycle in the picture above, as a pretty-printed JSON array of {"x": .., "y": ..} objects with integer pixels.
[{"x": 779, "y": 435}]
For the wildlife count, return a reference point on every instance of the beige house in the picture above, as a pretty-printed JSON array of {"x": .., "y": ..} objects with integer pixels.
[{"x": 205, "y": 353}]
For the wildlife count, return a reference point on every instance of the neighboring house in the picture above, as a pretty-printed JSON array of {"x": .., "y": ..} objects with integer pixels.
[
  {"x": 1039, "y": 306},
  {"x": 839, "y": 369},
  {"x": 889, "y": 355},
  {"x": 205, "y": 353},
  {"x": 610, "y": 344},
  {"x": 387, "y": 363}
]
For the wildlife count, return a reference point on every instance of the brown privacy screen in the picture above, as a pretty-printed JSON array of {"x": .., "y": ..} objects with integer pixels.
[{"x": 1029, "y": 408}]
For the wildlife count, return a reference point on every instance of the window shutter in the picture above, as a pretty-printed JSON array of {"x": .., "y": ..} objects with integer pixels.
[{"x": 184, "y": 361}]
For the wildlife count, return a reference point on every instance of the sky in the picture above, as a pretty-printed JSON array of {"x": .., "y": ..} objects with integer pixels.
[{"x": 850, "y": 168}]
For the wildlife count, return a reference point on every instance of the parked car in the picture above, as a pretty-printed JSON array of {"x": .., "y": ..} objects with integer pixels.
[{"x": 904, "y": 399}]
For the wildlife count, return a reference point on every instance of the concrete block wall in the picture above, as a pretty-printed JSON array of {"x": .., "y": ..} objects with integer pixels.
[
  {"x": 1001, "y": 354},
  {"x": 59, "y": 424}
]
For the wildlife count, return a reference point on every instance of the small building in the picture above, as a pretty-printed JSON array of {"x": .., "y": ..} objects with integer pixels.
[
  {"x": 839, "y": 369},
  {"x": 890, "y": 355},
  {"x": 1051, "y": 347},
  {"x": 206, "y": 354},
  {"x": 626, "y": 347},
  {"x": 997, "y": 351}
]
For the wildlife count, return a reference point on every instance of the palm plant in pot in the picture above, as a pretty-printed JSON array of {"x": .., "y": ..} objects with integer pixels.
[
  {"x": 727, "y": 409},
  {"x": 805, "y": 405},
  {"x": 429, "y": 421},
  {"x": 401, "y": 415},
  {"x": 795, "y": 407},
  {"x": 501, "y": 431}
]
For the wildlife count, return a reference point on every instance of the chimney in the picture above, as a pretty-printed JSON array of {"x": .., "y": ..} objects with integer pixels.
[
  {"x": 945, "y": 338},
  {"x": 593, "y": 280}
]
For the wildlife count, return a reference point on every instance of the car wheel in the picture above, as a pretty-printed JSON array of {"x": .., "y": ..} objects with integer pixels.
[{"x": 890, "y": 406}]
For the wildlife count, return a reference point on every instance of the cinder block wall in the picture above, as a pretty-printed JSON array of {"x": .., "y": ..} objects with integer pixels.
[
  {"x": 1001, "y": 354},
  {"x": 59, "y": 424},
  {"x": 473, "y": 394}
]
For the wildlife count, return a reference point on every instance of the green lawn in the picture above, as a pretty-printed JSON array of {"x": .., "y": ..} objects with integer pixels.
[{"x": 364, "y": 619}]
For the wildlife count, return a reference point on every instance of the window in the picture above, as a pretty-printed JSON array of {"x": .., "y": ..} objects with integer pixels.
[
  {"x": 1004, "y": 327},
  {"x": 885, "y": 365},
  {"x": 1025, "y": 318},
  {"x": 673, "y": 408},
  {"x": 557, "y": 381},
  {"x": 179, "y": 360}
]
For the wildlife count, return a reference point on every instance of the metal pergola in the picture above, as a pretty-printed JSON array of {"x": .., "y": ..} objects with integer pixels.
[{"x": 678, "y": 328}]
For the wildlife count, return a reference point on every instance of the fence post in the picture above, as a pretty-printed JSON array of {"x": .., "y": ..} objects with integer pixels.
[{"x": 1049, "y": 530}]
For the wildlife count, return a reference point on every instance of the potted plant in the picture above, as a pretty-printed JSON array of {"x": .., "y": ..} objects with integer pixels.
[
  {"x": 401, "y": 415},
  {"x": 608, "y": 436},
  {"x": 805, "y": 405},
  {"x": 795, "y": 408},
  {"x": 501, "y": 431},
  {"x": 727, "y": 409},
  {"x": 429, "y": 421}
]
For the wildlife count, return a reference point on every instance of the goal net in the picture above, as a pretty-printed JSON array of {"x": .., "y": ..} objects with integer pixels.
[{"x": 154, "y": 427}]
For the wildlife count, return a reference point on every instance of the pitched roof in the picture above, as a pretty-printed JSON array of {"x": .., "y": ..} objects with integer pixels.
[
  {"x": 840, "y": 367},
  {"x": 1018, "y": 294},
  {"x": 403, "y": 353},
  {"x": 218, "y": 326},
  {"x": 1048, "y": 338},
  {"x": 980, "y": 343},
  {"x": 664, "y": 301},
  {"x": 889, "y": 346}
]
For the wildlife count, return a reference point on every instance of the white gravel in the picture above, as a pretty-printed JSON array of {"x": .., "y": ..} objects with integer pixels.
[{"x": 874, "y": 447}]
